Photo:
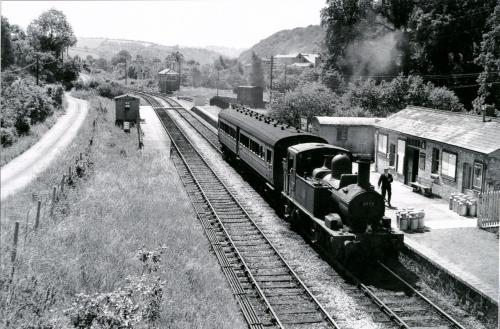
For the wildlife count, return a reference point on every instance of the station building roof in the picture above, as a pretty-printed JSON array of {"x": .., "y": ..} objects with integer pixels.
[
  {"x": 255, "y": 124},
  {"x": 452, "y": 128},
  {"x": 345, "y": 121},
  {"x": 168, "y": 71}
]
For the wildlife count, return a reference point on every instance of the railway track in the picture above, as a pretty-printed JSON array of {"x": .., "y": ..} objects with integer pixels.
[
  {"x": 269, "y": 292},
  {"x": 404, "y": 304},
  {"x": 239, "y": 244},
  {"x": 200, "y": 127}
]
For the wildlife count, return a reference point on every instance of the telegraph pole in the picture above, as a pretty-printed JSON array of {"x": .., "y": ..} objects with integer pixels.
[
  {"x": 285, "y": 78},
  {"x": 218, "y": 82},
  {"x": 271, "y": 80},
  {"x": 37, "y": 69},
  {"x": 179, "y": 89},
  {"x": 126, "y": 73}
]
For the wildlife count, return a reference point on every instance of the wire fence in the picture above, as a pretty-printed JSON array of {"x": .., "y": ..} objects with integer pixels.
[{"x": 47, "y": 204}]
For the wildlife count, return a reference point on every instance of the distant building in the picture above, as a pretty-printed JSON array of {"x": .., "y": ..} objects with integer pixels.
[
  {"x": 454, "y": 152},
  {"x": 352, "y": 133},
  {"x": 168, "y": 80},
  {"x": 299, "y": 60},
  {"x": 250, "y": 95}
]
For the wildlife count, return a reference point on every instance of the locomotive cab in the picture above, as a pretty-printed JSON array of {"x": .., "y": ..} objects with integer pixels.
[{"x": 301, "y": 168}]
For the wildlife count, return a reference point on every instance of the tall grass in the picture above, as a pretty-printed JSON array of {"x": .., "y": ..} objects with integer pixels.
[{"x": 132, "y": 200}]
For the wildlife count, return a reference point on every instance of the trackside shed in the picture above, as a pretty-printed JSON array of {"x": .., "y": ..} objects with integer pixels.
[
  {"x": 451, "y": 152},
  {"x": 126, "y": 109}
]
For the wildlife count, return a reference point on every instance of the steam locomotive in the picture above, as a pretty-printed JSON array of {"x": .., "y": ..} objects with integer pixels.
[{"x": 340, "y": 212}]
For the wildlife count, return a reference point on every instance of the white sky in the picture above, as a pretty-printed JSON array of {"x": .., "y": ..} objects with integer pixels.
[{"x": 230, "y": 23}]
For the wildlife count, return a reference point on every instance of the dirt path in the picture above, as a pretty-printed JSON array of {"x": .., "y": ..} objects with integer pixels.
[{"x": 24, "y": 168}]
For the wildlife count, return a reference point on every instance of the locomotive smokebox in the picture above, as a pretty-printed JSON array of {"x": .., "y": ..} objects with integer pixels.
[{"x": 364, "y": 174}]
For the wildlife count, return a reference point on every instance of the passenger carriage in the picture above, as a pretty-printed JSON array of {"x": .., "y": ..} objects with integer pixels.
[{"x": 260, "y": 142}]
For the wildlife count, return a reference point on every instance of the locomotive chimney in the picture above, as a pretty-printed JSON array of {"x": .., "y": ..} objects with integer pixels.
[{"x": 364, "y": 174}]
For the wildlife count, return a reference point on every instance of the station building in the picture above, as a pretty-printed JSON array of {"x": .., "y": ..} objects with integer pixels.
[
  {"x": 168, "y": 80},
  {"x": 449, "y": 151},
  {"x": 353, "y": 133}
]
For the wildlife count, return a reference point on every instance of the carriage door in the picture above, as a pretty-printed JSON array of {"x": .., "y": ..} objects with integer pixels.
[
  {"x": 269, "y": 161},
  {"x": 291, "y": 175}
]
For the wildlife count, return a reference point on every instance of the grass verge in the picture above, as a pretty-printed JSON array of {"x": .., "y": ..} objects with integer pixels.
[{"x": 123, "y": 248}]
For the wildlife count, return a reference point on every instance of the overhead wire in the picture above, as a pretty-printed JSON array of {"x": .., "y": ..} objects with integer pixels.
[{"x": 29, "y": 65}]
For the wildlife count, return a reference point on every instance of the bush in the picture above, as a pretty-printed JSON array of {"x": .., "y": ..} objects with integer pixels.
[
  {"x": 55, "y": 92},
  {"x": 381, "y": 99},
  {"x": 444, "y": 99},
  {"x": 8, "y": 136},
  {"x": 110, "y": 90},
  {"x": 25, "y": 104}
]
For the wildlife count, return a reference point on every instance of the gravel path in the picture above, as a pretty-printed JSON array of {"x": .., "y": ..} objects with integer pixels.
[
  {"x": 23, "y": 169},
  {"x": 344, "y": 302}
]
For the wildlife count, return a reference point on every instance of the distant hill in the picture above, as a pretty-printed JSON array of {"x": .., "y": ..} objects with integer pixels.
[
  {"x": 301, "y": 39},
  {"x": 226, "y": 51},
  {"x": 107, "y": 48}
]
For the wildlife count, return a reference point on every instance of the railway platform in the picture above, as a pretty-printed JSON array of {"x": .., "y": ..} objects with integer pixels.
[{"x": 451, "y": 241}]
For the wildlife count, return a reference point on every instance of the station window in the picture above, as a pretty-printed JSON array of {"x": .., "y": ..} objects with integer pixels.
[
  {"x": 421, "y": 162},
  {"x": 449, "y": 165},
  {"x": 435, "y": 161},
  {"x": 382, "y": 143},
  {"x": 342, "y": 133},
  {"x": 477, "y": 182}
]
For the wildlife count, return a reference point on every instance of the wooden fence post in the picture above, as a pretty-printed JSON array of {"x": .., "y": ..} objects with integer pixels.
[
  {"x": 81, "y": 156},
  {"x": 37, "y": 220},
  {"x": 69, "y": 172},
  {"x": 26, "y": 227},
  {"x": 14, "y": 250},
  {"x": 54, "y": 192},
  {"x": 14, "y": 243},
  {"x": 61, "y": 190}
]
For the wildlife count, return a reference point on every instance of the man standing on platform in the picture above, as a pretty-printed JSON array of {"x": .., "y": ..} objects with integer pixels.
[{"x": 385, "y": 180}]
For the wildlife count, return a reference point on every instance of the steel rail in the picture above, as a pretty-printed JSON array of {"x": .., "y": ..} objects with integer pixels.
[
  {"x": 288, "y": 267},
  {"x": 246, "y": 307},
  {"x": 428, "y": 301},
  {"x": 183, "y": 112}
]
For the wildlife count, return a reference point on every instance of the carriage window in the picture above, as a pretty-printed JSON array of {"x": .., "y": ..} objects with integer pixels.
[{"x": 244, "y": 140}]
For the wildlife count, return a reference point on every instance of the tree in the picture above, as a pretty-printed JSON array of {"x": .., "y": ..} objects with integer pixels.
[
  {"x": 102, "y": 63},
  {"x": 308, "y": 100},
  {"x": 489, "y": 60},
  {"x": 122, "y": 57},
  {"x": 7, "y": 53},
  {"x": 257, "y": 72},
  {"x": 219, "y": 65},
  {"x": 51, "y": 32}
]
